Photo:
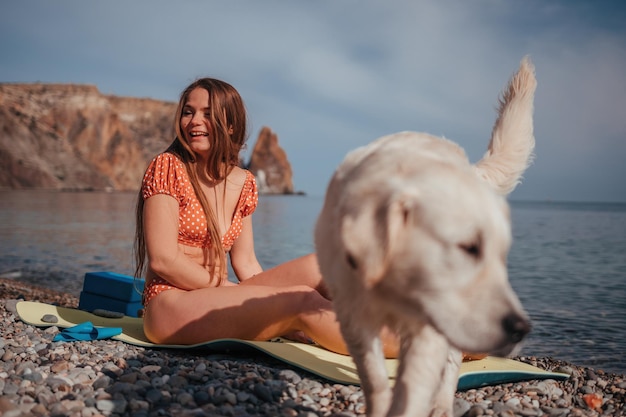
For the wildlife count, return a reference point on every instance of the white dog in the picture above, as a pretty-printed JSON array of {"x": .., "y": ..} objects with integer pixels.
[{"x": 414, "y": 238}]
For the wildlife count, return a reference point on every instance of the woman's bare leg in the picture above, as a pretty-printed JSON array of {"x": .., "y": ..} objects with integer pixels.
[
  {"x": 300, "y": 271},
  {"x": 305, "y": 271},
  {"x": 244, "y": 312},
  {"x": 284, "y": 300}
]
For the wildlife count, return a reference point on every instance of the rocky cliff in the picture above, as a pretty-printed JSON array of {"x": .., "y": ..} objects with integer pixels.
[
  {"x": 270, "y": 166},
  {"x": 64, "y": 136}
]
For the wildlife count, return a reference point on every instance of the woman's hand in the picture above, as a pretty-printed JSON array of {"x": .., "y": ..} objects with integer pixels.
[{"x": 242, "y": 256}]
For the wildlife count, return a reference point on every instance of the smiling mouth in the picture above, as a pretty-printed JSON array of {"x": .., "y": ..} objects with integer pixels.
[{"x": 197, "y": 134}]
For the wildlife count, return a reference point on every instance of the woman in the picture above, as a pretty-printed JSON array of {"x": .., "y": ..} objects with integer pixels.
[{"x": 194, "y": 210}]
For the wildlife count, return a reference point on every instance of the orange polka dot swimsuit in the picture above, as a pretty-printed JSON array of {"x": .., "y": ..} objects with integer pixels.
[{"x": 166, "y": 174}]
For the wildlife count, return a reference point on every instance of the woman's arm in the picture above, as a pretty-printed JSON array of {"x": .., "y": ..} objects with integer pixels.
[
  {"x": 242, "y": 256},
  {"x": 165, "y": 256}
]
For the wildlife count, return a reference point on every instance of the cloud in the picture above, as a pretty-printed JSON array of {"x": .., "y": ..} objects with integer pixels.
[{"x": 330, "y": 76}]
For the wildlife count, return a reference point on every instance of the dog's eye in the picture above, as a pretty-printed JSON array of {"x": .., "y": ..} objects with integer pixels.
[
  {"x": 473, "y": 249},
  {"x": 351, "y": 261}
]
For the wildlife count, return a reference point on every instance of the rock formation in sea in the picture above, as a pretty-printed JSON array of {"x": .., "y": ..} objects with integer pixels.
[
  {"x": 72, "y": 137},
  {"x": 269, "y": 164}
]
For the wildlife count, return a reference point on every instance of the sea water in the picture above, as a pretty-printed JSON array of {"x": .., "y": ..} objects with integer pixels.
[{"x": 567, "y": 262}]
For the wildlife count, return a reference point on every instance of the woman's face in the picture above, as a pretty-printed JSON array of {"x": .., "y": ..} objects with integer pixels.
[{"x": 195, "y": 121}]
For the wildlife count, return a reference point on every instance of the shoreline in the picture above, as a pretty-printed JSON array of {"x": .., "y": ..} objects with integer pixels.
[{"x": 101, "y": 378}]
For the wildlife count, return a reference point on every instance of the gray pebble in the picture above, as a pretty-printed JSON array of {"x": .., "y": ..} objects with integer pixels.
[
  {"x": 290, "y": 376},
  {"x": 263, "y": 392},
  {"x": 591, "y": 375},
  {"x": 153, "y": 396},
  {"x": 475, "y": 411},
  {"x": 501, "y": 408},
  {"x": 49, "y": 318},
  {"x": 587, "y": 390},
  {"x": 103, "y": 382},
  {"x": 185, "y": 399},
  {"x": 528, "y": 412},
  {"x": 557, "y": 412},
  {"x": 106, "y": 406},
  {"x": 11, "y": 306},
  {"x": 10, "y": 388},
  {"x": 108, "y": 313},
  {"x": 201, "y": 398}
]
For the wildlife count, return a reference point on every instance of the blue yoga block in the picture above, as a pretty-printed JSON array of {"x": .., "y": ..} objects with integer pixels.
[
  {"x": 91, "y": 302},
  {"x": 112, "y": 285}
]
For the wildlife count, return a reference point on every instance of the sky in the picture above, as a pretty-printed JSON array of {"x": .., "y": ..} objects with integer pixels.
[{"x": 329, "y": 76}]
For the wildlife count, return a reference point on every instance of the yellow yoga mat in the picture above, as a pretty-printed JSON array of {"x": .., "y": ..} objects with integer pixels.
[{"x": 311, "y": 358}]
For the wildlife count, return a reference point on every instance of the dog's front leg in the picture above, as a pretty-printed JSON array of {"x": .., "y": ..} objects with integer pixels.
[
  {"x": 443, "y": 402},
  {"x": 422, "y": 361},
  {"x": 366, "y": 349}
]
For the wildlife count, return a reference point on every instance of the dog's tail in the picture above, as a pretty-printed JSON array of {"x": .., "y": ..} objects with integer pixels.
[{"x": 512, "y": 142}]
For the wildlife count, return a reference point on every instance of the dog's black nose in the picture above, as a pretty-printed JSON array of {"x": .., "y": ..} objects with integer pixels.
[{"x": 516, "y": 327}]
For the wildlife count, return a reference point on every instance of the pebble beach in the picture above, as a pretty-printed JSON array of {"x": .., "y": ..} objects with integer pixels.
[{"x": 39, "y": 377}]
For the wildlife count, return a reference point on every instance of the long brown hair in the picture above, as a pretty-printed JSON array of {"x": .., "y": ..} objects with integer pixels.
[{"x": 228, "y": 124}]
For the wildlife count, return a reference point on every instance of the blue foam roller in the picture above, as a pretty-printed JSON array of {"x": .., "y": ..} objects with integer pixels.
[
  {"x": 113, "y": 285},
  {"x": 90, "y": 302}
]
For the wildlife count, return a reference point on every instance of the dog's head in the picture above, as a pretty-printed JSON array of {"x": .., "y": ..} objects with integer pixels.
[{"x": 431, "y": 240}]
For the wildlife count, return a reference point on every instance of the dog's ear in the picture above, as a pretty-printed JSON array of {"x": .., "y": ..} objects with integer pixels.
[{"x": 371, "y": 235}]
